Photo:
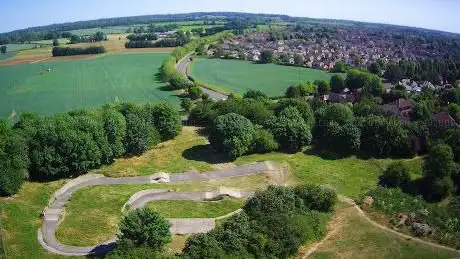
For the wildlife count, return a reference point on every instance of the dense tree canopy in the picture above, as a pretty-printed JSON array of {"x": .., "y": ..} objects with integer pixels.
[
  {"x": 233, "y": 134},
  {"x": 144, "y": 227}
]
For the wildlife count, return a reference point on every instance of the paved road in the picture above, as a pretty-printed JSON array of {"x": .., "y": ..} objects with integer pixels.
[
  {"x": 182, "y": 66},
  {"x": 52, "y": 215}
]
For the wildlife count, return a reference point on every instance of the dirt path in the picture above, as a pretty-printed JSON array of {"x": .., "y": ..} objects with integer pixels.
[{"x": 336, "y": 224}]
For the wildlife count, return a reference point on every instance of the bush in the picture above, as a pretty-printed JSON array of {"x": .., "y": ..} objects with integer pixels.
[
  {"x": 396, "y": 174},
  {"x": 13, "y": 160},
  {"x": 382, "y": 137},
  {"x": 263, "y": 142},
  {"x": 139, "y": 135},
  {"x": 59, "y": 51},
  {"x": 233, "y": 134},
  {"x": 274, "y": 224},
  {"x": 302, "y": 106},
  {"x": 167, "y": 120},
  {"x": 144, "y": 227},
  {"x": 202, "y": 246},
  {"x": 316, "y": 197},
  {"x": 292, "y": 135},
  {"x": 337, "y": 83},
  {"x": 195, "y": 92},
  {"x": 255, "y": 94},
  {"x": 439, "y": 188},
  {"x": 127, "y": 251},
  {"x": 439, "y": 163}
]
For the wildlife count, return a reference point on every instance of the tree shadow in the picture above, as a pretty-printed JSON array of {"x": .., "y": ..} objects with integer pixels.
[
  {"x": 157, "y": 77},
  {"x": 205, "y": 153},
  {"x": 325, "y": 154}
]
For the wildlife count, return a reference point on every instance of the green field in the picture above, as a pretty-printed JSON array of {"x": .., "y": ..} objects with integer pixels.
[
  {"x": 81, "y": 84},
  {"x": 239, "y": 76}
]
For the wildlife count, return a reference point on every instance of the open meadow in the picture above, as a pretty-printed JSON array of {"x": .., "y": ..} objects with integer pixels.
[
  {"x": 52, "y": 87},
  {"x": 234, "y": 76}
]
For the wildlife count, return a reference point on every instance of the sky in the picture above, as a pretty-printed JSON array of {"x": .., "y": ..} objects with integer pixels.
[{"x": 432, "y": 14}]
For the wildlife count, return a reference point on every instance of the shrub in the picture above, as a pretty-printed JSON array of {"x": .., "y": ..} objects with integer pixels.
[
  {"x": 439, "y": 163},
  {"x": 274, "y": 200},
  {"x": 439, "y": 188},
  {"x": 316, "y": 197},
  {"x": 127, "y": 251},
  {"x": 263, "y": 142},
  {"x": 396, "y": 174},
  {"x": 383, "y": 137},
  {"x": 292, "y": 135},
  {"x": 186, "y": 104},
  {"x": 144, "y": 227},
  {"x": 115, "y": 129},
  {"x": 167, "y": 120},
  {"x": 302, "y": 106},
  {"x": 337, "y": 83},
  {"x": 195, "y": 92},
  {"x": 202, "y": 246},
  {"x": 233, "y": 134},
  {"x": 139, "y": 135},
  {"x": 255, "y": 94},
  {"x": 13, "y": 160}
]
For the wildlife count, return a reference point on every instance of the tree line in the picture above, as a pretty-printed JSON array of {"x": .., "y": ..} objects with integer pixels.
[
  {"x": 60, "y": 51},
  {"x": 71, "y": 144},
  {"x": 274, "y": 223},
  {"x": 142, "y": 41}
]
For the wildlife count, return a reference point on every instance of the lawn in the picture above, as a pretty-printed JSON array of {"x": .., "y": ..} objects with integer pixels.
[
  {"x": 81, "y": 84},
  {"x": 21, "y": 220},
  {"x": 166, "y": 157},
  {"x": 196, "y": 209},
  {"x": 356, "y": 238},
  {"x": 237, "y": 76},
  {"x": 351, "y": 176}
]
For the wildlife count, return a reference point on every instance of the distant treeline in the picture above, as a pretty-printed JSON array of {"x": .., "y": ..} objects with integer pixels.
[
  {"x": 58, "y": 51},
  {"x": 142, "y": 36}
]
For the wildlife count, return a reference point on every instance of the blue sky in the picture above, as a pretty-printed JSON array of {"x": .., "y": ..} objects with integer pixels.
[{"x": 433, "y": 14}]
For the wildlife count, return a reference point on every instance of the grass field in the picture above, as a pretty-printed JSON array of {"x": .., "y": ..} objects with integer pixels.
[
  {"x": 236, "y": 76},
  {"x": 166, "y": 157},
  {"x": 81, "y": 84},
  {"x": 350, "y": 176},
  {"x": 196, "y": 209}
]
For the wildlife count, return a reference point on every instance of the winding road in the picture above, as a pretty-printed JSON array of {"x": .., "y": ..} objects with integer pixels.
[
  {"x": 182, "y": 66},
  {"x": 54, "y": 212}
]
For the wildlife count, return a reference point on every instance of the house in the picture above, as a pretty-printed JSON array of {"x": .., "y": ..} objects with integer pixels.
[
  {"x": 444, "y": 119},
  {"x": 401, "y": 108},
  {"x": 339, "y": 98}
]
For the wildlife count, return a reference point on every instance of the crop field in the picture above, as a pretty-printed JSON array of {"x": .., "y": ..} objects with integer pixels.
[
  {"x": 236, "y": 76},
  {"x": 48, "y": 88}
]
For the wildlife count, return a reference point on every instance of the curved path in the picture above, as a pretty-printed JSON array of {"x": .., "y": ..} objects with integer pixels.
[
  {"x": 362, "y": 214},
  {"x": 182, "y": 67},
  {"x": 53, "y": 213}
]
